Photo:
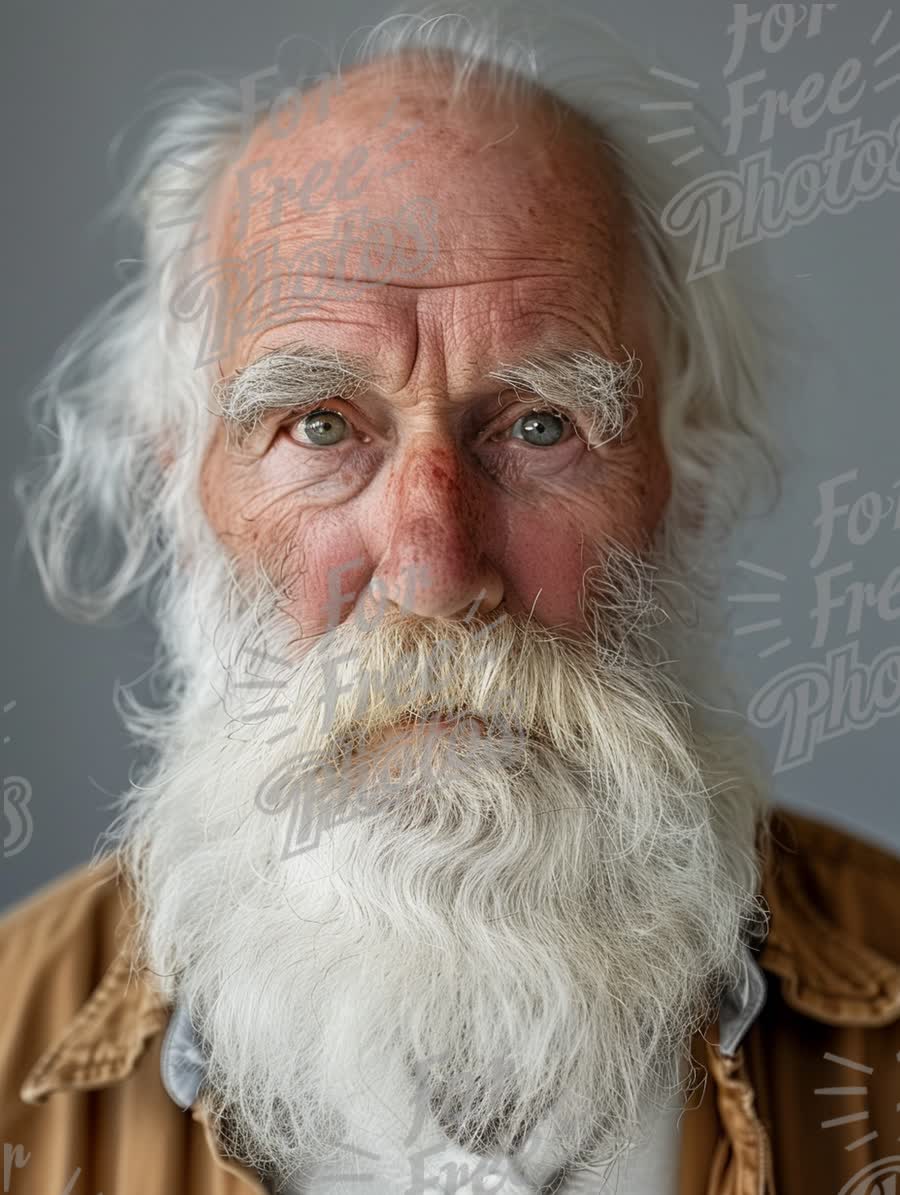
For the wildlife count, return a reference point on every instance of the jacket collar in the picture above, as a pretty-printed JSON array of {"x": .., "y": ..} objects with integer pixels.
[{"x": 105, "y": 1039}]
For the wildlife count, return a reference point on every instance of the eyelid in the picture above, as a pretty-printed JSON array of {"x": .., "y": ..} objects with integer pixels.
[
  {"x": 296, "y": 414},
  {"x": 525, "y": 407},
  {"x": 512, "y": 412},
  {"x": 307, "y": 408}
]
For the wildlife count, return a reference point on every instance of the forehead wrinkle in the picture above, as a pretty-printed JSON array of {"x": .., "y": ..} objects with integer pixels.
[
  {"x": 548, "y": 269},
  {"x": 568, "y": 148},
  {"x": 588, "y": 235}
]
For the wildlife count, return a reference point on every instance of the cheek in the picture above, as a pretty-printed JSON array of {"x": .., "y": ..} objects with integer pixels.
[
  {"x": 317, "y": 560},
  {"x": 313, "y": 557},
  {"x": 336, "y": 569},
  {"x": 546, "y": 552},
  {"x": 543, "y": 569}
]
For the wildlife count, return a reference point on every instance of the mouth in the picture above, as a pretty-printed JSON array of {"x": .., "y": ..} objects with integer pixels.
[
  {"x": 423, "y": 728},
  {"x": 418, "y": 746},
  {"x": 432, "y": 730},
  {"x": 442, "y": 720}
]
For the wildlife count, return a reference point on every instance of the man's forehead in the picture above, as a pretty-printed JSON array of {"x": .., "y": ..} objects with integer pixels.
[
  {"x": 388, "y": 102},
  {"x": 551, "y": 349},
  {"x": 373, "y": 134},
  {"x": 403, "y": 340},
  {"x": 505, "y": 210}
]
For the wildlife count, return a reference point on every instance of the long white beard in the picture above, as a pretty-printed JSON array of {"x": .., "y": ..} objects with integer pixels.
[{"x": 522, "y": 918}]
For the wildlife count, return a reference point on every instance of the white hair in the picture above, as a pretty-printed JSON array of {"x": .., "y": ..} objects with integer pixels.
[
  {"x": 126, "y": 396},
  {"x": 539, "y": 922}
]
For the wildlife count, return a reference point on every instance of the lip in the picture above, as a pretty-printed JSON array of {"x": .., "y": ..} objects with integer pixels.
[
  {"x": 437, "y": 722},
  {"x": 444, "y": 720},
  {"x": 428, "y": 731}
]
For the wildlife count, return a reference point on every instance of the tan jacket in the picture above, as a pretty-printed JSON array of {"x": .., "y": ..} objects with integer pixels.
[{"x": 84, "y": 1111}]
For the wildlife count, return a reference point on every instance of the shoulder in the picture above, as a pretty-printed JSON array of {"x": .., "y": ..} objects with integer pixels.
[
  {"x": 80, "y": 1042},
  {"x": 83, "y": 905},
  {"x": 853, "y": 879},
  {"x": 822, "y": 839},
  {"x": 834, "y": 934},
  {"x": 55, "y": 948}
]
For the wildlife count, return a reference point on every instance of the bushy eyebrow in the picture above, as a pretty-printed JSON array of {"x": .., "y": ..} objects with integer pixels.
[
  {"x": 577, "y": 381},
  {"x": 583, "y": 382},
  {"x": 285, "y": 378}
]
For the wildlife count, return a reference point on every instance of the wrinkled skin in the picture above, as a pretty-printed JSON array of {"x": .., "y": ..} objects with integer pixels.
[{"x": 533, "y": 243}]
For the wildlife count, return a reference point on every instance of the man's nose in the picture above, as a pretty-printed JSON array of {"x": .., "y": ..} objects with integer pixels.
[{"x": 435, "y": 518}]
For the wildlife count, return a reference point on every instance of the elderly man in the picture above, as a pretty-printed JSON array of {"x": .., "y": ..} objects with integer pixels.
[{"x": 450, "y": 872}]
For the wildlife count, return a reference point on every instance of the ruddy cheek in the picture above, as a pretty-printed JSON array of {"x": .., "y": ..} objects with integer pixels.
[
  {"x": 326, "y": 573},
  {"x": 543, "y": 561}
]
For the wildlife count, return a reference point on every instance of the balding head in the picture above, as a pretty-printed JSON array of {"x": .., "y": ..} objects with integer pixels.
[{"x": 386, "y": 176}]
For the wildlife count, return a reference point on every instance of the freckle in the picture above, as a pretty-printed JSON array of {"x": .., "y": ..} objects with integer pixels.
[{"x": 438, "y": 473}]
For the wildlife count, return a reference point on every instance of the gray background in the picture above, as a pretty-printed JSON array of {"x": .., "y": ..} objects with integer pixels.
[{"x": 73, "y": 75}]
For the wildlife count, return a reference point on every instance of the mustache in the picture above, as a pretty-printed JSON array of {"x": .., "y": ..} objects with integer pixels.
[
  {"x": 364, "y": 677},
  {"x": 409, "y": 670},
  {"x": 487, "y": 686},
  {"x": 451, "y": 681}
]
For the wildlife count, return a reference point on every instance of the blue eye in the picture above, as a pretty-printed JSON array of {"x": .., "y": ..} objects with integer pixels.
[
  {"x": 322, "y": 427},
  {"x": 541, "y": 428}
]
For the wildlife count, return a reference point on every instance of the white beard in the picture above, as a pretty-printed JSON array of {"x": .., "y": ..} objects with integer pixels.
[{"x": 526, "y": 919}]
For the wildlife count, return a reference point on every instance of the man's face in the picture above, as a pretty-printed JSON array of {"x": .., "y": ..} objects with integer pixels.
[
  {"x": 432, "y": 483},
  {"x": 542, "y": 918}
]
